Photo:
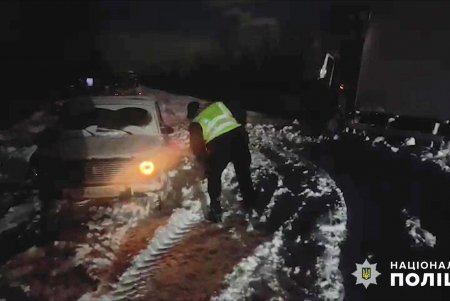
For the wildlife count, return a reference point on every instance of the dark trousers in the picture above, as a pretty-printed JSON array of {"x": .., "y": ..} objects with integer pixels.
[{"x": 230, "y": 147}]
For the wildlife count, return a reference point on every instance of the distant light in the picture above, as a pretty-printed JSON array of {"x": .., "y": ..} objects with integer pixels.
[
  {"x": 89, "y": 81},
  {"x": 436, "y": 128},
  {"x": 341, "y": 87}
]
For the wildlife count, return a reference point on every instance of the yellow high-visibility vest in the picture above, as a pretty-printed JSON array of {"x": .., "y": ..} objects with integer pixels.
[{"x": 216, "y": 120}]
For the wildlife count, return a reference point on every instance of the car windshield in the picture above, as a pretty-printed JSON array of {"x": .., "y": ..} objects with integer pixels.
[
  {"x": 119, "y": 119},
  {"x": 105, "y": 117}
]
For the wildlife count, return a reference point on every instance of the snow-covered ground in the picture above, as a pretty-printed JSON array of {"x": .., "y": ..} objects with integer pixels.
[
  {"x": 437, "y": 153},
  {"x": 118, "y": 247},
  {"x": 419, "y": 237},
  {"x": 291, "y": 251},
  {"x": 440, "y": 156}
]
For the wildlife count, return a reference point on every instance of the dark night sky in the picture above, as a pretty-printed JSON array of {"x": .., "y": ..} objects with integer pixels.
[
  {"x": 44, "y": 45},
  {"x": 47, "y": 43},
  {"x": 34, "y": 50},
  {"x": 199, "y": 16},
  {"x": 164, "y": 32}
]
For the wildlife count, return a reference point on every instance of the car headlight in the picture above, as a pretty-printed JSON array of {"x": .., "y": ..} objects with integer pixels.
[{"x": 146, "y": 167}]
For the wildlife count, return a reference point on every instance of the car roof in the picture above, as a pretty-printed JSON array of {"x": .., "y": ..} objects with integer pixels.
[{"x": 124, "y": 100}]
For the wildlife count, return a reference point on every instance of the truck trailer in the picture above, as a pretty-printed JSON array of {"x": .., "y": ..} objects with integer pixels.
[{"x": 404, "y": 81}]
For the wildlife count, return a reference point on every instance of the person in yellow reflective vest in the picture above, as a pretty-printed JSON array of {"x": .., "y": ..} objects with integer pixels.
[{"x": 217, "y": 137}]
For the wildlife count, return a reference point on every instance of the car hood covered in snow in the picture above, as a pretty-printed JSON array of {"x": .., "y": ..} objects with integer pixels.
[{"x": 105, "y": 147}]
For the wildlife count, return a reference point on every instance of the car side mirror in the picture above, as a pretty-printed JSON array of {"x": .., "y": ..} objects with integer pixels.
[{"x": 165, "y": 129}]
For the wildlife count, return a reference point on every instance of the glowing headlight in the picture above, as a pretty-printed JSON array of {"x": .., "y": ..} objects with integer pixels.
[{"x": 147, "y": 167}]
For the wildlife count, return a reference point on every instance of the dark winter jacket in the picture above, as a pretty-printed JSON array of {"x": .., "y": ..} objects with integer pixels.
[{"x": 198, "y": 146}]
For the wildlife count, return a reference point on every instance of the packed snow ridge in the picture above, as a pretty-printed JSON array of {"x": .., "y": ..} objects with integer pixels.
[
  {"x": 331, "y": 232},
  {"x": 107, "y": 230},
  {"x": 134, "y": 282},
  {"x": 261, "y": 266}
]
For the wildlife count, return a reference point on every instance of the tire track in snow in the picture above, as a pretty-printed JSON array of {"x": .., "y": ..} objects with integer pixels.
[
  {"x": 107, "y": 230},
  {"x": 135, "y": 281},
  {"x": 324, "y": 200},
  {"x": 264, "y": 265}
]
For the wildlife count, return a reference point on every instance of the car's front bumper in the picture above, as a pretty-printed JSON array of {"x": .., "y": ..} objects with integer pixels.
[{"x": 157, "y": 186}]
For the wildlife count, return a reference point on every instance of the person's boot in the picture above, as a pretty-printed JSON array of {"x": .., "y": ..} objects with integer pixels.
[
  {"x": 249, "y": 204},
  {"x": 214, "y": 215}
]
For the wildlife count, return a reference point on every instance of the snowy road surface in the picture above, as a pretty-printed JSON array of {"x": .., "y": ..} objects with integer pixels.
[
  {"x": 302, "y": 247},
  {"x": 129, "y": 250}
]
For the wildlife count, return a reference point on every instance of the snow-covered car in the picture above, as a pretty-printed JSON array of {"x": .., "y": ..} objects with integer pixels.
[{"x": 105, "y": 146}]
